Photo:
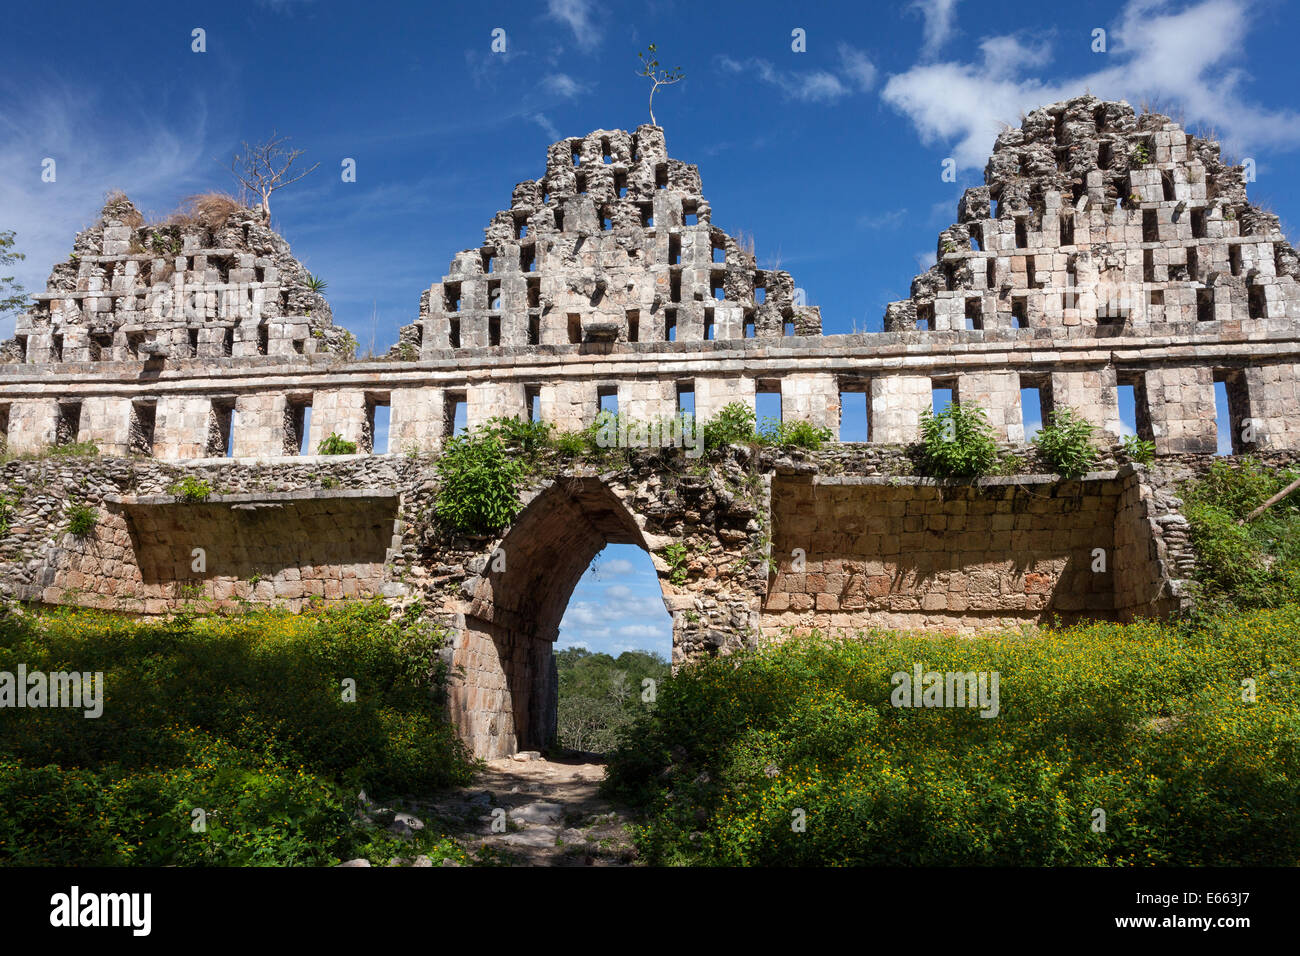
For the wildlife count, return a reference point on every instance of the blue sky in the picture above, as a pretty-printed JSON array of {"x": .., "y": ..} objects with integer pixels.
[{"x": 831, "y": 158}]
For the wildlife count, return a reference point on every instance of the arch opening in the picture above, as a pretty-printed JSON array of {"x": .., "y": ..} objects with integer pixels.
[{"x": 506, "y": 693}]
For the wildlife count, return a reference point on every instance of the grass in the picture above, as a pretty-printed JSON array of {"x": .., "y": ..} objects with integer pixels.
[
  {"x": 1147, "y": 722},
  {"x": 243, "y": 718}
]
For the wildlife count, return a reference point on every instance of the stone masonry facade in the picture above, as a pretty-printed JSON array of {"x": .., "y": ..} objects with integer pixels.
[{"x": 1107, "y": 251}]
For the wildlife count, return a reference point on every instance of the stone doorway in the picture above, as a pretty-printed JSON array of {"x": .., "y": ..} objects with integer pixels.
[{"x": 504, "y": 695}]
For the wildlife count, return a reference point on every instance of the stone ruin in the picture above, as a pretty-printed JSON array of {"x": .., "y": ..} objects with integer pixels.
[{"x": 1107, "y": 249}]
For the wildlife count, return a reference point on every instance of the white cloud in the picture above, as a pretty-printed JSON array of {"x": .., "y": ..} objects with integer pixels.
[
  {"x": 547, "y": 126},
  {"x": 856, "y": 73},
  {"x": 1181, "y": 57},
  {"x": 577, "y": 16},
  {"x": 644, "y": 631},
  {"x": 96, "y": 147},
  {"x": 561, "y": 84},
  {"x": 938, "y": 16},
  {"x": 618, "y": 566}
]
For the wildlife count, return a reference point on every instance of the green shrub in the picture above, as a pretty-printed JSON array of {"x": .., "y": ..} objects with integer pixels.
[
  {"x": 733, "y": 425},
  {"x": 1065, "y": 443},
  {"x": 6, "y": 514},
  {"x": 336, "y": 444},
  {"x": 478, "y": 490},
  {"x": 242, "y": 717},
  {"x": 1145, "y": 720},
  {"x": 190, "y": 488},
  {"x": 82, "y": 519},
  {"x": 1256, "y": 564},
  {"x": 75, "y": 449},
  {"x": 675, "y": 554},
  {"x": 957, "y": 442},
  {"x": 1139, "y": 450},
  {"x": 525, "y": 437},
  {"x": 795, "y": 434}
]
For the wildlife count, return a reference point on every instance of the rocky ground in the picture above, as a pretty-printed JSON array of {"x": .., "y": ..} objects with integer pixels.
[{"x": 519, "y": 811}]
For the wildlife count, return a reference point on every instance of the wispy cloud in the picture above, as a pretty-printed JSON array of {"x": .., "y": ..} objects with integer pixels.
[
  {"x": 1181, "y": 56},
  {"x": 938, "y": 15},
  {"x": 561, "y": 84},
  {"x": 854, "y": 73},
  {"x": 547, "y": 126},
  {"x": 578, "y": 16},
  {"x": 154, "y": 163}
]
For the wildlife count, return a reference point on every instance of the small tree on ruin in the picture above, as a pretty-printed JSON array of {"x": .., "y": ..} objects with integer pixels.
[
  {"x": 658, "y": 77},
  {"x": 263, "y": 168}
]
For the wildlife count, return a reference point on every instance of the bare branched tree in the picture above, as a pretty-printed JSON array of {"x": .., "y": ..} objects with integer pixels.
[
  {"x": 265, "y": 167},
  {"x": 657, "y": 77}
]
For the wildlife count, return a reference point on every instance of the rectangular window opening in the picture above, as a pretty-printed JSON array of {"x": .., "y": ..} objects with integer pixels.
[
  {"x": 925, "y": 316},
  {"x": 533, "y": 402},
  {"x": 686, "y": 398},
  {"x": 1256, "y": 302},
  {"x": 1067, "y": 230},
  {"x": 607, "y": 399},
  {"x": 378, "y": 419},
  {"x": 767, "y": 402},
  {"x": 674, "y": 250},
  {"x": 297, "y": 424},
  {"x": 670, "y": 325},
  {"x": 453, "y": 333},
  {"x": 749, "y": 330},
  {"x": 1035, "y": 403},
  {"x": 144, "y": 416},
  {"x": 451, "y": 297},
  {"x": 634, "y": 325},
  {"x": 855, "y": 411},
  {"x": 575, "y": 328},
  {"x": 455, "y": 414},
  {"x": 943, "y": 392},
  {"x": 1198, "y": 224},
  {"x": 494, "y": 330},
  {"x": 1204, "y": 305},
  {"x": 1022, "y": 233},
  {"x": 974, "y": 314},
  {"x": 1234, "y": 259},
  {"x": 1150, "y": 226},
  {"x": 708, "y": 325},
  {"x": 534, "y": 330},
  {"x": 1134, "y": 412}
]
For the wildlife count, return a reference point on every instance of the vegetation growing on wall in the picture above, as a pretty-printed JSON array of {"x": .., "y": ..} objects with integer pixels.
[
  {"x": 794, "y": 755},
  {"x": 82, "y": 519},
  {"x": 479, "y": 477},
  {"x": 957, "y": 442},
  {"x": 190, "y": 488},
  {"x": 1244, "y": 563},
  {"x": 336, "y": 444},
  {"x": 1065, "y": 443}
]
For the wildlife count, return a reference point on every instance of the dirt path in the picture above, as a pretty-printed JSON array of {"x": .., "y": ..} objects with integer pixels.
[{"x": 536, "y": 812}]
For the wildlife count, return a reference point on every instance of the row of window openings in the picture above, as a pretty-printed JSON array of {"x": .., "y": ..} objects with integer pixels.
[
  {"x": 1108, "y": 311},
  {"x": 1231, "y": 409},
  {"x": 1150, "y": 226},
  {"x": 101, "y": 344},
  {"x": 574, "y": 328}
]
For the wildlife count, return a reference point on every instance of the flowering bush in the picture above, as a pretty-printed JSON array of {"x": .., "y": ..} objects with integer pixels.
[
  {"x": 794, "y": 755},
  {"x": 241, "y": 717}
]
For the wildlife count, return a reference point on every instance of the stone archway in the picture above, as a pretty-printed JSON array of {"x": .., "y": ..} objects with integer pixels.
[{"x": 504, "y": 696}]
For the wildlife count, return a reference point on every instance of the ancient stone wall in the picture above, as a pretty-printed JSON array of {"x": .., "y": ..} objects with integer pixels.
[{"x": 1106, "y": 251}]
